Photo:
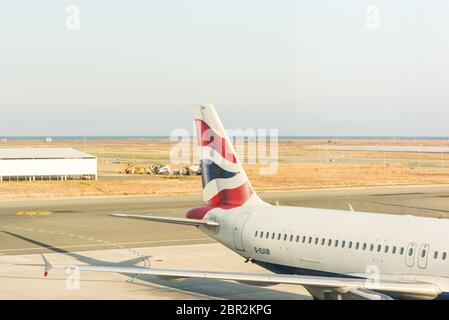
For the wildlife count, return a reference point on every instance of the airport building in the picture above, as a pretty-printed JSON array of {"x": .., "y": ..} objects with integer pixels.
[{"x": 46, "y": 164}]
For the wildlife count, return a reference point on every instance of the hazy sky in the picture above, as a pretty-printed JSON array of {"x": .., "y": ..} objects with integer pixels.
[{"x": 307, "y": 67}]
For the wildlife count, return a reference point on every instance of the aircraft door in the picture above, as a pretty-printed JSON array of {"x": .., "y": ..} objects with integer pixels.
[
  {"x": 410, "y": 254},
  {"x": 423, "y": 254},
  {"x": 238, "y": 230}
]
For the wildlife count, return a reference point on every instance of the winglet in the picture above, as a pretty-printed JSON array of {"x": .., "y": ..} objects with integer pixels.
[{"x": 47, "y": 265}]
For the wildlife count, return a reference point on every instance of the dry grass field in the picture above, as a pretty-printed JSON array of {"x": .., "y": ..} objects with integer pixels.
[{"x": 299, "y": 167}]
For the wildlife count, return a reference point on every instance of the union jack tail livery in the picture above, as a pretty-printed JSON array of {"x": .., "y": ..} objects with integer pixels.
[
  {"x": 335, "y": 262},
  {"x": 224, "y": 180}
]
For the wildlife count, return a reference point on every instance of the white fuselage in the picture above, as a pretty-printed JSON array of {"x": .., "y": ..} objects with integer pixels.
[{"x": 339, "y": 242}]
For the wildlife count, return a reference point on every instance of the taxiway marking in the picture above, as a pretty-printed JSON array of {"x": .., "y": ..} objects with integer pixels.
[
  {"x": 34, "y": 213},
  {"x": 107, "y": 245}
]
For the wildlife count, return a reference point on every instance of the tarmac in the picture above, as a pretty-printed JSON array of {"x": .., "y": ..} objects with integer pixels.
[
  {"x": 21, "y": 277},
  {"x": 81, "y": 230}
]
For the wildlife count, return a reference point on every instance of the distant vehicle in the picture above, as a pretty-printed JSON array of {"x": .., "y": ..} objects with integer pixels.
[
  {"x": 116, "y": 160},
  {"x": 48, "y": 139},
  {"x": 332, "y": 253}
]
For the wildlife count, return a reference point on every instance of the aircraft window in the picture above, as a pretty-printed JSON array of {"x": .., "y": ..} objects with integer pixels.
[
  {"x": 343, "y": 243},
  {"x": 379, "y": 247},
  {"x": 303, "y": 239},
  {"x": 336, "y": 243},
  {"x": 350, "y": 245},
  {"x": 291, "y": 238},
  {"x": 357, "y": 246},
  {"x": 279, "y": 236},
  {"x": 435, "y": 255},
  {"x": 393, "y": 251},
  {"x": 285, "y": 236},
  {"x": 323, "y": 241},
  {"x": 371, "y": 247},
  {"x": 410, "y": 252},
  {"x": 268, "y": 235},
  {"x": 316, "y": 240},
  {"x": 386, "y": 249},
  {"x": 364, "y": 246},
  {"x": 443, "y": 256},
  {"x": 329, "y": 242},
  {"x": 297, "y": 238},
  {"x": 423, "y": 253},
  {"x": 402, "y": 251},
  {"x": 310, "y": 240},
  {"x": 273, "y": 235},
  {"x": 261, "y": 234},
  {"x": 256, "y": 233}
]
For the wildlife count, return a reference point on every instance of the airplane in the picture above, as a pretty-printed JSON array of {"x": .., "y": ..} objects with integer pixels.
[{"x": 333, "y": 254}]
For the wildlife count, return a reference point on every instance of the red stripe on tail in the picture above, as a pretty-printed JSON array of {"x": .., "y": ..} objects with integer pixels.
[
  {"x": 230, "y": 198},
  {"x": 225, "y": 199}
]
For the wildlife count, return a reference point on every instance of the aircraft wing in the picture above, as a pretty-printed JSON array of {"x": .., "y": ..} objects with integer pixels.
[
  {"x": 185, "y": 221},
  {"x": 360, "y": 288}
]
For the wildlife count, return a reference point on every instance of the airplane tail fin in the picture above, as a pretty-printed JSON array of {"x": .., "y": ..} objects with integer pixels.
[{"x": 224, "y": 180}]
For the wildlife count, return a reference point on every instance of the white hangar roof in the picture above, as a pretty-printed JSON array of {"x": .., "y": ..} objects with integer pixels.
[{"x": 42, "y": 153}]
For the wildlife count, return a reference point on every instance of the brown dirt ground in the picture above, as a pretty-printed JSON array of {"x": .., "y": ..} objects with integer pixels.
[{"x": 290, "y": 175}]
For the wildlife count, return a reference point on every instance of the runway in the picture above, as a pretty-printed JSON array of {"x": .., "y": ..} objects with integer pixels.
[{"x": 84, "y": 226}]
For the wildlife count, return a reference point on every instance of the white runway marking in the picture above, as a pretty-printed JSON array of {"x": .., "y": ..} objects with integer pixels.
[
  {"x": 103, "y": 245},
  {"x": 144, "y": 258}
]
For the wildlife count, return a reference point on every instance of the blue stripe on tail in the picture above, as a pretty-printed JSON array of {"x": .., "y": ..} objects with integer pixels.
[{"x": 211, "y": 171}]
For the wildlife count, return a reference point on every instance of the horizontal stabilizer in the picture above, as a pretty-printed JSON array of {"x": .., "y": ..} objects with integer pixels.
[{"x": 185, "y": 221}]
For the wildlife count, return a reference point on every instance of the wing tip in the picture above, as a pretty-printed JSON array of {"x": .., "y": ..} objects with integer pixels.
[{"x": 47, "y": 265}]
